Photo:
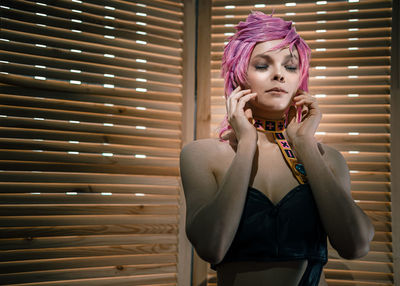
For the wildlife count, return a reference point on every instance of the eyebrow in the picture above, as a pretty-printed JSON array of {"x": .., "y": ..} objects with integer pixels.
[{"x": 269, "y": 58}]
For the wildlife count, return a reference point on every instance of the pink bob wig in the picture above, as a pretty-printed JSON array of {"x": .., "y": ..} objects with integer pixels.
[{"x": 257, "y": 28}]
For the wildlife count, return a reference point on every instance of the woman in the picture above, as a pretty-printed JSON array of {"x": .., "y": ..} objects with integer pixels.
[{"x": 261, "y": 204}]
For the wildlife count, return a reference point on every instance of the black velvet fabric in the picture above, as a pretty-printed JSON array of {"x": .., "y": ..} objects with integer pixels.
[{"x": 289, "y": 230}]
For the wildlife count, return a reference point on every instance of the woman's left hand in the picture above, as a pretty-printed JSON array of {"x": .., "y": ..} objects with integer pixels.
[{"x": 311, "y": 117}]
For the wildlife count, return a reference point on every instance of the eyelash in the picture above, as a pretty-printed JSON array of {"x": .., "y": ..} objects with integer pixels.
[{"x": 289, "y": 68}]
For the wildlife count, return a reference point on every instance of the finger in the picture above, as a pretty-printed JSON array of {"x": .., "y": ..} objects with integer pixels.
[
  {"x": 243, "y": 100},
  {"x": 233, "y": 99}
]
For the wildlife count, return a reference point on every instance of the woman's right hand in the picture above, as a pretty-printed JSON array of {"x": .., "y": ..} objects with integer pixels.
[{"x": 239, "y": 118}]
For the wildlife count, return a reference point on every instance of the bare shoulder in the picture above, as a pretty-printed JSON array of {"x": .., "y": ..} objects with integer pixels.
[{"x": 204, "y": 149}]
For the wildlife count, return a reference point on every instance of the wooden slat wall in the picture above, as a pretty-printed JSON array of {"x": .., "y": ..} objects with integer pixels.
[
  {"x": 350, "y": 75},
  {"x": 90, "y": 134}
]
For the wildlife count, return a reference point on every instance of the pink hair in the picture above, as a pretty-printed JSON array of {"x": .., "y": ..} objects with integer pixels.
[{"x": 257, "y": 28}]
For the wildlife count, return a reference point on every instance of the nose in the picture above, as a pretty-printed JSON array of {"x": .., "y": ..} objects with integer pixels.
[{"x": 279, "y": 77}]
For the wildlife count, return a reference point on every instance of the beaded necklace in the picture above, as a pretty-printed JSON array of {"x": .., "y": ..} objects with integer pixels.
[{"x": 276, "y": 127}]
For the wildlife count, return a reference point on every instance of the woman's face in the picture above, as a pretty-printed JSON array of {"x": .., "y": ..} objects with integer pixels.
[{"x": 274, "y": 76}]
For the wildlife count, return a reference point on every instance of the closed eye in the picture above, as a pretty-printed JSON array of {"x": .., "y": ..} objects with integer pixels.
[{"x": 261, "y": 67}]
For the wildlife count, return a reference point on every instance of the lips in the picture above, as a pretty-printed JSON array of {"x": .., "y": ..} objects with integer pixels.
[{"x": 277, "y": 90}]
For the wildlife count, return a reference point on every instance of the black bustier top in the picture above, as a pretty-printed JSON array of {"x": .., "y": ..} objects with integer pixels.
[{"x": 290, "y": 230}]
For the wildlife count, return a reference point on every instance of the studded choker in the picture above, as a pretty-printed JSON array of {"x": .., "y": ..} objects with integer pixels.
[{"x": 276, "y": 127}]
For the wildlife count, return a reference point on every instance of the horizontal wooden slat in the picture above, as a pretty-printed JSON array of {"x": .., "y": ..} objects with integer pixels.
[
  {"x": 73, "y": 220},
  {"x": 35, "y": 242},
  {"x": 25, "y": 43},
  {"x": 21, "y": 187},
  {"x": 50, "y": 235},
  {"x": 91, "y": 89},
  {"x": 31, "y": 103},
  {"x": 10, "y": 25},
  {"x": 30, "y": 94},
  {"x": 68, "y": 263},
  {"x": 85, "y": 251},
  {"x": 70, "y": 177},
  {"x": 104, "y": 139},
  {"x": 64, "y": 125},
  {"x": 87, "y": 72},
  {"x": 23, "y": 144},
  {"x": 104, "y": 272},
  {"x": 94, "y": 200},
  {"x": 95, "y": 13}
]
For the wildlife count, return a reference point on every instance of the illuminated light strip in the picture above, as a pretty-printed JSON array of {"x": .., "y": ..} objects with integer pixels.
[
  {"x": 141, "y": 108},
  {"x": 354, "y": 133},
  {"x": 229, "y": 25},
  {"x": 73, "y": 142},
  {"x": 353, "y": 10},
  {"x": 141, "y": 23},
  {"x": 321, "y": 31},
  {"x": 141, "y": 5},
  {"x": 320, "y": 77},
  {"x": 107, "y": 154},
  {"x": 106, "y": 85},
  {"x": 353, "y": 95},
  {"x": 354, "y": 171},
  {"x": 259, "y": 5},
  {"x": 352, "y": 67},
  {"x": 320, "y": 67},
  {"x": 109, "y": 7},
  {"x": 73, "y": 152},
  {"x": 139, "y": 194},
  {"x": 109, "y": 37},
  {"x": 229, "y": 16},
  {"x": 75, "y": 71},
  {"x": 290, "y": 14},
  {"x": 141, "y": 61},
  {"x": 108, "y": 75},
  {"x": 321, "y": 40},
  {"x": 320, "y": 133},
  {"x": 353, "y": 39},
  {"x": 321, "y": 49},
  {"x": 41, "y": 25},
  {"x": 140, "y": 156},
  {"x": 321, "y": 2},
  {"x": 40, "y": 77},
  {"x": 290, "y": 4},
  {"x": 321, "y": 22},
  {"x": 108, "y": 104},
  {"x": 141, "y": 79},
  {"x": 353, "y": 29},
  {"x": 141, "y": 14},
  {"x": 141, "y": 33},
  {"x": 74, "y": 121},
  {"x": 320, "y": 95},
  {"x": 141, "y": 127},
  {"x": 353, "y": 20},
  {"x": 41, "y": 4},
  {"x": 76, "y": 31},
  {"x": 76, "y": 11},
  {"x": 40, "y": 67},
  {"x": 109, "y": 56},
  {"x": 321, "y": 12},
  {"x": 38, "y": 118},
  {"x": 229, "y": 34},
  {"x": 352, "y": 76},
  {"x": 76, "y": 51},
  {"x": 230, "y": 7},
  {"x": 141, "y": 89},
  {"x": 106, "y": 194},
  {"x": 354, "y": 152},
  {"x": 352, "y": 48},
  {"x": 141, "y": 42},
  {"x": 75, "y": 82},
  {"x": 109, "y": 17},
  {"x": 109, "y": 27},
  {"x": 76, "y": 21},
  {"x": 71, "y": 193},
  {"x": 108, "y": 124},
  {"x": 4, "y": 7},
  {"x": 353, "y": 1},
  {"x": 41, "y": 14},
  {"x": 40, "y": 46}
]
